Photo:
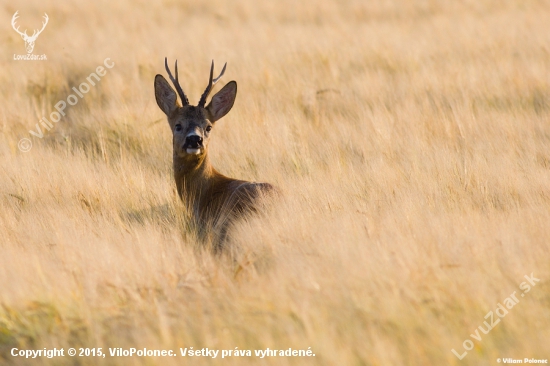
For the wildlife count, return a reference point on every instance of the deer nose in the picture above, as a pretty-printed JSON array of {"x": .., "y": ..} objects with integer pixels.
[{"x": 193, "y": 141}]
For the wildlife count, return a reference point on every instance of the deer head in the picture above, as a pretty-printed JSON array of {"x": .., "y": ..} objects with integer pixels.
[
  {"x": 191, "y": 125},
  {"x": 29, "y": 40}
]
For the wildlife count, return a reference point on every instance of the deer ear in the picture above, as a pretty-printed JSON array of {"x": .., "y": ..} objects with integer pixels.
[
  {"x": 222, "y": 102},
  {"x": 165, "y": 95}
]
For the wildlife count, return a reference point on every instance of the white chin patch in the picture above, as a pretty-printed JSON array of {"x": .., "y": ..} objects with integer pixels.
[{"x": 194, "y": 151}]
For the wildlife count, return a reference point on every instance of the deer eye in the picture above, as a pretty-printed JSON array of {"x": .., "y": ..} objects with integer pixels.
[
  {"x": 178, "y": 127},
  {"x": 208, "y": 129}
]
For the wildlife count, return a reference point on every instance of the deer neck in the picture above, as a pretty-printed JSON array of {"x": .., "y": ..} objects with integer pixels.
[{"x": 193, "y": 175}]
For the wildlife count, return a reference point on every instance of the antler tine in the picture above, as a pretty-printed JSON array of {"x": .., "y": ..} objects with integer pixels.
[
  {"x": 44, "y": 23},
  {"x": 211, "y": 83},
  {"x": 13, "y": 19},
  {"x": 176, "y": 82},
  {"x": 204, "y": 95},
  {"x": 221, "y": 74}
]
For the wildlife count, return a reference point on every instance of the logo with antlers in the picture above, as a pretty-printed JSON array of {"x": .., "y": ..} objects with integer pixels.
[{"x": 29, "y": 40}]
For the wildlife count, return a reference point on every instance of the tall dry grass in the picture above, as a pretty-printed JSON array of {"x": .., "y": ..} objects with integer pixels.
[{"x": 411, "y": 141}]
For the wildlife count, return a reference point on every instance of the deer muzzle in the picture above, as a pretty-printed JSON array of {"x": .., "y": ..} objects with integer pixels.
[{"x": 193, "y": 144}]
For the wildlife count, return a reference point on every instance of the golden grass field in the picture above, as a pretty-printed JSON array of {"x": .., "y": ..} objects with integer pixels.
[{"x": 410, "y": 139}]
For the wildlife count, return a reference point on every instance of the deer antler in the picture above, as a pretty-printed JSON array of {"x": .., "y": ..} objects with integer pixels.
[
  {"x": 211, "y": 83},
  {"x": 13, "y": 19},
  {"x": 35, "y": 34},
  {"x": 176, "y": 83}
]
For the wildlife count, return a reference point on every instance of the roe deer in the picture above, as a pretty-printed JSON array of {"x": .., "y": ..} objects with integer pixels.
[{"x": 214, "y": 200}]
